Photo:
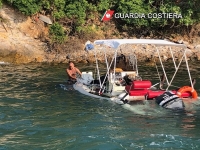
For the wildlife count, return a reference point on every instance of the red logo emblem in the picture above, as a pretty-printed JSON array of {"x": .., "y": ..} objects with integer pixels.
[{"x": 107, "y": 16}]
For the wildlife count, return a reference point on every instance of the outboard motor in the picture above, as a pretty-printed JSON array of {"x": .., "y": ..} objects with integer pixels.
[
  {"x": 123, "y": 97},
  {"x": 170, "y": 100}
]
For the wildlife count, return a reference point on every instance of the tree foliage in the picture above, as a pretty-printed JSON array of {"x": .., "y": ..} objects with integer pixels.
[
  {"x": 57, "y": 33},
  {"x": 137, "y": 7},
  {"x": 78, "y": 14},
  {"x": 27, "y": 7},
  {"x": 1, "y": 3},
  {"x": 188, "y": 9}
]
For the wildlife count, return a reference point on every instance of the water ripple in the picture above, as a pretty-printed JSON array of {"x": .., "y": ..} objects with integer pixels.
[{"x": 40, "y": 111}]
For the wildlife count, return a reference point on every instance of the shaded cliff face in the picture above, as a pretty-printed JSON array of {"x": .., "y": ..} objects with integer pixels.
[{"x": 21, "y": 41}]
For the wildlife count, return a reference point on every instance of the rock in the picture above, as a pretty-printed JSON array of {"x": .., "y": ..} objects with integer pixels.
[
  {"x": 39, "y": 59},
  {"x": 190, "y": 46},
  {"x": 180, "y": 41},
  {"x": 198, "y": 55},
  {"x": 68, "y": 56},
  {"x": 36, "y": 37},
  {"x": 189, "y": 53},
  {"x": 83, "y": 61},
  {"x": 197, "y": 47},
  {"x": 185, "y": 42},
  {"x": 17, "y": 45},
  {"x": 165, "y": 57},
  {"x": 23, "y": 44}
]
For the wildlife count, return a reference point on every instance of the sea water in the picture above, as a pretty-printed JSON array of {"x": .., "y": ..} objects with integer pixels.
[{"x": 38, "y": 110}]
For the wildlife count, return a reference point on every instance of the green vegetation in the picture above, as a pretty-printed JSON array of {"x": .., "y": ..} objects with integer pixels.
[
  {"x": 0, "y": 3},
  {"x": 27, "y": 7},
  {"x": 57, "y": 33},
  {"x": 77, "y": 16}
]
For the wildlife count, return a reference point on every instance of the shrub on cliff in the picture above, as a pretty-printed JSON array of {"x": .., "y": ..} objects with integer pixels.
[
  {"x": 27, "y": 7},
  {"x": 57, "y": 33},
  {"x": 188, "y": 9},
  {"x": 77, "y": 16},
  {"x": 1, "y": 3},
  {"x": 80, "y": 11}
]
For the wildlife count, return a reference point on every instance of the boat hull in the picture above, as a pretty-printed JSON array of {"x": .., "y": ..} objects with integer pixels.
[{"x": 84, "y": 89}]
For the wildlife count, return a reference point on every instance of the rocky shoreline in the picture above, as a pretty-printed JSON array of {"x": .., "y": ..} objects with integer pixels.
[{"x": 21, "y": 42}]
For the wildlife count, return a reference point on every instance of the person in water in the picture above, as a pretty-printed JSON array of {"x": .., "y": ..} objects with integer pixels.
[{"x": 72, "y": 72}]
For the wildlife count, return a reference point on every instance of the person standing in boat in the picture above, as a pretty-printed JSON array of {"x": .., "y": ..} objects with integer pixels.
[{"x": 72, "y": 72}]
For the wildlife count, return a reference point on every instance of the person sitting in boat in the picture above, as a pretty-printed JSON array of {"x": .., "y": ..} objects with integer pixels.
[{"x": 72, "y": 72}]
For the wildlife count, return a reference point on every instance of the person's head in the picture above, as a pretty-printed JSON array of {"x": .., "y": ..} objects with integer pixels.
[{"x": 71, "y": 65}]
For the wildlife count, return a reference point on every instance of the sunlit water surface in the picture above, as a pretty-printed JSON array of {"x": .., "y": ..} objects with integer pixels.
[{"x": 39, "y": 111}]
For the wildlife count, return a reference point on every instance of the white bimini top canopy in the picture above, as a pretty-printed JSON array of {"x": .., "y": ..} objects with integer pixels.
[{"x": 115, "y": 43}]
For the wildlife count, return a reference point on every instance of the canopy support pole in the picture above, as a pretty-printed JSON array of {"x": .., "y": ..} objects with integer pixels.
[
  {"x": 97, "y": 66},
  {"x": 162, "y": 66},
  {"x": 115, "y": 62},
  {"x": 188, "y": 69},
  {"x": 107, "y": 73},
  {"x": 105, "y": 57},
  {"x": 173, "y": 57},
  {"x": 175, "y": 72}
]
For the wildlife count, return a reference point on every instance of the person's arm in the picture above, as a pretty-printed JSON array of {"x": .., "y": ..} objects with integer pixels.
[
  {"x": 70, "y": 74},
  {"x": 77, "y": 70}
]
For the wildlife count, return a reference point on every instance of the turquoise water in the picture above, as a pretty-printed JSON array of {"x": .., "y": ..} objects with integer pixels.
[{"x": 39, "y": 111}]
